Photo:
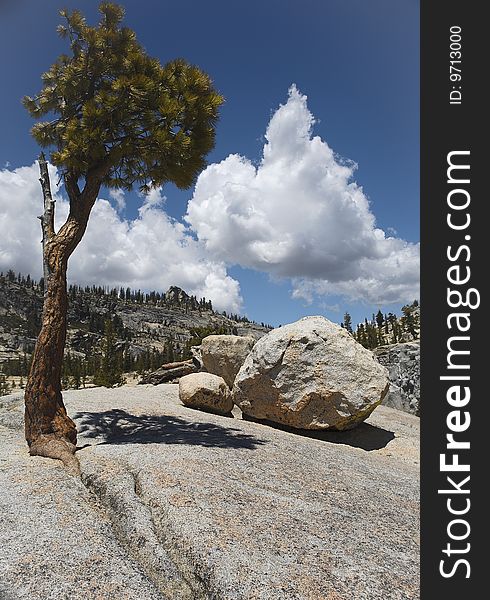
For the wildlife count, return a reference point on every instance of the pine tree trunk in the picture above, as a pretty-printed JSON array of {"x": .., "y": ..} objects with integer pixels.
[{"x": 49, "y": 430}]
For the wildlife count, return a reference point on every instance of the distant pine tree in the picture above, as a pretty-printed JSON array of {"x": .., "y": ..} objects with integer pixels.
[
  {"x": 361, "y": 335},
  {"x": 347, "y": 324},
  {"x": 408, "y": 319},
  {"x": 4, "y": 385},
  {"x": 169, "y": 352},
  {"x": 110, "y": 370}
]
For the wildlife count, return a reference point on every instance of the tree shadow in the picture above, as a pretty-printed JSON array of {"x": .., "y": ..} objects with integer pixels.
[
  {"x": 120, "y": 427},
  {"x": 365, "y": 436}
]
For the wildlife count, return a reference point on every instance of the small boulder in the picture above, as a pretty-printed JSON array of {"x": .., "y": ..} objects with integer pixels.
[
  {"x": 205, "y": 391},
  {"x": 311, "y": 374},
  {"x": 223, "y": 355}
]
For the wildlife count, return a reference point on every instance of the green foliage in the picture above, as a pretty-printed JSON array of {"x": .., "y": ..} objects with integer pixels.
[
  {"x": 199, "y": 333},
  {"x": 409, "y": 319},
  {"x": 74, "y": 373},
  {"x": 389, "y": 329},
  {"x": 361, "y": 335},
  {"x": 347, "y": 323},
  {"x": 118, "y": 112},
  {"x": 153, "y": 359},
  {"x": 395, "y": 328},
  {"x": 4, "y": 386},
  {"x": 17, "y": 366},
  {"x": 110, "y": 371}
]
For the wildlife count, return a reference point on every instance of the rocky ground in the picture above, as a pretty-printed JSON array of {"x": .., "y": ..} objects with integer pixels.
[{"x": 176, "y": 503}]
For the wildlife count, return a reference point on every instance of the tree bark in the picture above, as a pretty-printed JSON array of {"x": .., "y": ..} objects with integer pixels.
[{"x": 49, "y": 430}]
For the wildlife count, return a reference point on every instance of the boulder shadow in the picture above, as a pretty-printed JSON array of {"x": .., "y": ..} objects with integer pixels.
[
  {"x": 210, "y": 411},
  {"x": 365, "y": 436},
  {"x": 117, "y": 426}
]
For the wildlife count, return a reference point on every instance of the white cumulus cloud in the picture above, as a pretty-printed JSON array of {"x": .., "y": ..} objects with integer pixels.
[
  {"x": 299, "y": 215},
  {"x": 152, "y": 251}
]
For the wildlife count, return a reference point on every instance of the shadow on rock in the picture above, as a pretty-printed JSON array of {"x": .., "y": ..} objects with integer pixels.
[
  {"x": 120, "y": 427},
  {"x": 365, "y": 436}
]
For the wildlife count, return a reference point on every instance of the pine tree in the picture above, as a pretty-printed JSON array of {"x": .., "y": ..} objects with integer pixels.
[
  {"x": 128, "y": 362},
  {"x": 361, "y": 335},
  {"x": 110, "y": 369},
  {"x": 372, "y": 336},
  {"x": 76, "y": 374},
  {"x": 347, "y": 322},
  {"x": 25, "y": 365},
  {"x": 4, "y": 385},
  {"x": 169, "y": 352},
  {"x": 408, "y": 320},
  {"x": 118, "y": 118},
  {"x": 83, "y": 372}
]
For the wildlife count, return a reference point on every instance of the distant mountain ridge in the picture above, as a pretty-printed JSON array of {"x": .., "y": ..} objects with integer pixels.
[
  {"x": 162, "y": 324},
  {"x": 147, "y": 329}
]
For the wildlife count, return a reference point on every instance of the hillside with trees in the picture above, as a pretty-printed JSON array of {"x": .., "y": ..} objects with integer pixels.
[
  {"x": 111, "y": 331},
  {"x": 382, "y": 329},
  {"x": 116, "y": 331}
]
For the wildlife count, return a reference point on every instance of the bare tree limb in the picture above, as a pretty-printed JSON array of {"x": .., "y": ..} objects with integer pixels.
[{"x": 47, "y": 218}]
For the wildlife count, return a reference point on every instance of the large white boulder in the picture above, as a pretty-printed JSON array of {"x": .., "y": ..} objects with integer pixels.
[
  {"x": 223, "y": 355},
  {"x": 310, "y": 374},
  {"x": 205, "y": 391}
]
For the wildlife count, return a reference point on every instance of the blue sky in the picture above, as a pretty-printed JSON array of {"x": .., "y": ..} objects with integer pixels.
[{"x": 357, "y": 62}]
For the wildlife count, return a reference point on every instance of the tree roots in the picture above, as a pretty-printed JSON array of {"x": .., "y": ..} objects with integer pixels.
[{"x": 57, "y": 448}]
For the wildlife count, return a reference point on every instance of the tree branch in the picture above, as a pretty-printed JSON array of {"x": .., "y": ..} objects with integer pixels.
[
  {"x": 81, "y": 203},
  {"x": 47, "y": 218},
  {"x": 71, "y": 184}
]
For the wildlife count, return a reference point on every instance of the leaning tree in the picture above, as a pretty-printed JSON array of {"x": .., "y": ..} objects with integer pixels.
[{"x": 117, "y": 118}]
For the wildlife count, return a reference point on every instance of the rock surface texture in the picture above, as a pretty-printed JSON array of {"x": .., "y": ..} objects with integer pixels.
[
  {"x": 403, "y": 364},
  {"x": 190, "y": 505},
  {"x": 310, "y": 374},
  {"x": 55, "y": 541},
  {"x": 223, "y": 355},
  {"x": 207, "y": 392}
]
